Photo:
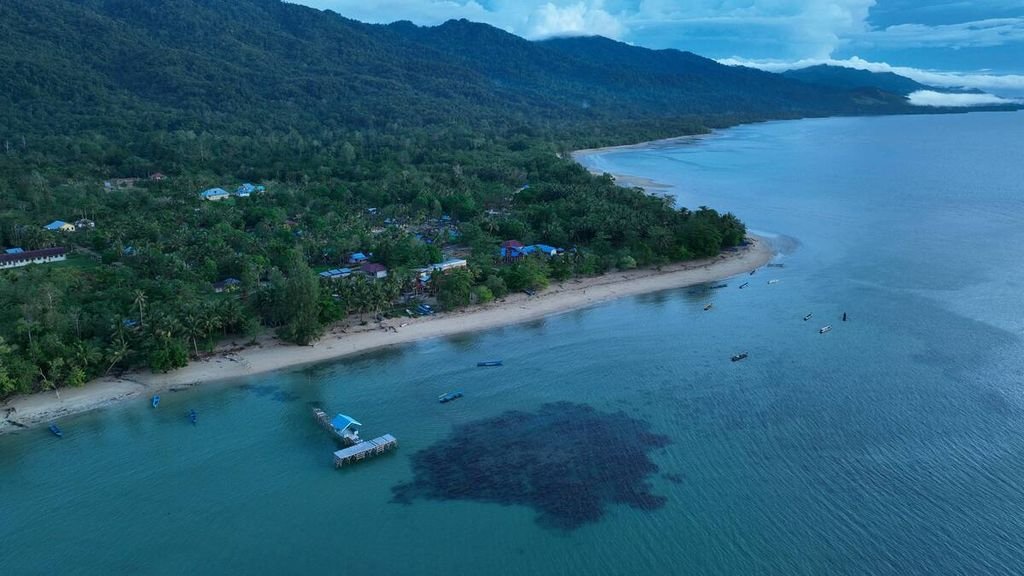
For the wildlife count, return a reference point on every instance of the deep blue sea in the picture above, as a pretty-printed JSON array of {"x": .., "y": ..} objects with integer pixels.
[{"x": 621, "y": 439}]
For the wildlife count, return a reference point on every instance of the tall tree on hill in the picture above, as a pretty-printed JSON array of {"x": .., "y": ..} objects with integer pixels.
[{"x": 302, "y": 319}]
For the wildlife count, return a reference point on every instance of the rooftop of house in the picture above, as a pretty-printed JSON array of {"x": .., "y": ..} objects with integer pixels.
[
  {"x": 31, "y": 255},
  {"x": 336, "y": 273},
  {"x": 226, "y": 283},
  {"x": 341, "y": 422}
]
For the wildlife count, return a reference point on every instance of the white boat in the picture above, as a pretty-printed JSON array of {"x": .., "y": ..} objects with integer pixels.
[
  {"x": 773, "y": 281},
  {"x": 825, "y": 329}
]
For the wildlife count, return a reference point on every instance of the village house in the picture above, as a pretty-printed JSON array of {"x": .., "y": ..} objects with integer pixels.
[
  {"x": 214, "y": 194},
  {"x": 60, "y": 225},
  {"x": 246, "y": 190},
  {"x": 357, "y": 258},
  {"x": 336, "y": 273},
  {"x": 226, "y": 285},
  {"x": 26, "y": 257},
  {"x": 542, "y": 249},
  {"x": 157, "y": 177},
  {"x": 448, "y": 264},
  {"x": 13, "y": 251},
  {"x": 375, "y": 271},
  {"x": 84, "y": 223},
  {"x": 513, "y": 250}
]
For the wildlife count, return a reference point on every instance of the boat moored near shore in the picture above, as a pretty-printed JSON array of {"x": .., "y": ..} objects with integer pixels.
[{"x": 449, "y": 396}]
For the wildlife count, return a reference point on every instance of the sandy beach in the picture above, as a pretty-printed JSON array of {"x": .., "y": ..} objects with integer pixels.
[
  {"x": 267, "y": 355},
  {"x": 631, "y": 180}
]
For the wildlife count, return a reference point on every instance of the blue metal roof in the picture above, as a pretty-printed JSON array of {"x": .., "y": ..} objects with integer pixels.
[
  {"x": 13, "y": 251},
  {"x": 341, "y": 422},
  {"x": 336, "y": 273},
  {"x": 249, "y": 189},
  {"x": 214, "y": 192},
  {"x": 55, "y": 225}
]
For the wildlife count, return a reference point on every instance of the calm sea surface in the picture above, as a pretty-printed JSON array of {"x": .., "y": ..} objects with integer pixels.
[{"x": 893, "y": 444}]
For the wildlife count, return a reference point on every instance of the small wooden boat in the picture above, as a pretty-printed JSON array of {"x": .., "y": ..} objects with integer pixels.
[
  {"x": 192, "y": 416},
  {"x": 156, "y": 400},
  {"x": 56, "y": 431},
  {"x": 744, "y": 285},
  {"x": 449, "y": 396},
  {"x": 774, "y": 265},
  {"x": 708, "y": 306},
  {"x": 808, "y": 317},
  {"x": 738, "y": 357},
  {"x": 489, "y": 363},
  {"x": 717, "y": 286},
  {"x": 844, "y": 316},
  {"x": 825, "y": 329},
  {"x": 752, "y": 271}
]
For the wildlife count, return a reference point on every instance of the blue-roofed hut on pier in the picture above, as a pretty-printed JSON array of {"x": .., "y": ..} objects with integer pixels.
[{"x": 346, "y": 428}]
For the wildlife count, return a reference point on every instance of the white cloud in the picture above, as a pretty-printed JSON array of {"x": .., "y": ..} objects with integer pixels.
[
  {"x": 1010, "y": 84},
  {"x": 931, "y": 98},
  {"x": 973, "y": 34},
  {"x": 581, "y": 18},
  {"x": 528, "y": 18},
  {"x": 817, "y": 26},
  {"x": 811, "y": 31}
]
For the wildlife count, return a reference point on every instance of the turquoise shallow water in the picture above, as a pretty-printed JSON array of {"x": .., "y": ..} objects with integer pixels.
[{"x": 892, "y": 445}]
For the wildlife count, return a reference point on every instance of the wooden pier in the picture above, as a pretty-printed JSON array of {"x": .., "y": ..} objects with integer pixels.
[{"x": 364, "y": 450}]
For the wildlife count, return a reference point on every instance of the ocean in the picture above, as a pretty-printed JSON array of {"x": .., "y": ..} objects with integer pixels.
[{"x": 621, "y": 439}]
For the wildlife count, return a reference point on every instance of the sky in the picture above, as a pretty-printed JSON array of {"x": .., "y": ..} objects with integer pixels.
[{"x": 972, "y": 43}]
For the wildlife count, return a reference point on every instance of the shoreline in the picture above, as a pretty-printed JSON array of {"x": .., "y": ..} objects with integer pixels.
[
  {"x": 645, "y": 183},
  {"x": 231, "y": 361}
]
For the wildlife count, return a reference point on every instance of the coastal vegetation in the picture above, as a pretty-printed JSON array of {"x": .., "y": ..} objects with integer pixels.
[{"x": 402, "y": 143}]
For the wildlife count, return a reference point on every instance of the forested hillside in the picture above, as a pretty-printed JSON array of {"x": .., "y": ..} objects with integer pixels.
[
  {"x": 409, "y": 144},
  {"x": 851, "y": 79}
]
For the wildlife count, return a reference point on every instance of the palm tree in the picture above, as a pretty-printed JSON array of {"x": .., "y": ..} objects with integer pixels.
[
  {"x": 140, "y": 300},
  {"x": 116, "y": 352},
  {"x": 195, "y": 328}
]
